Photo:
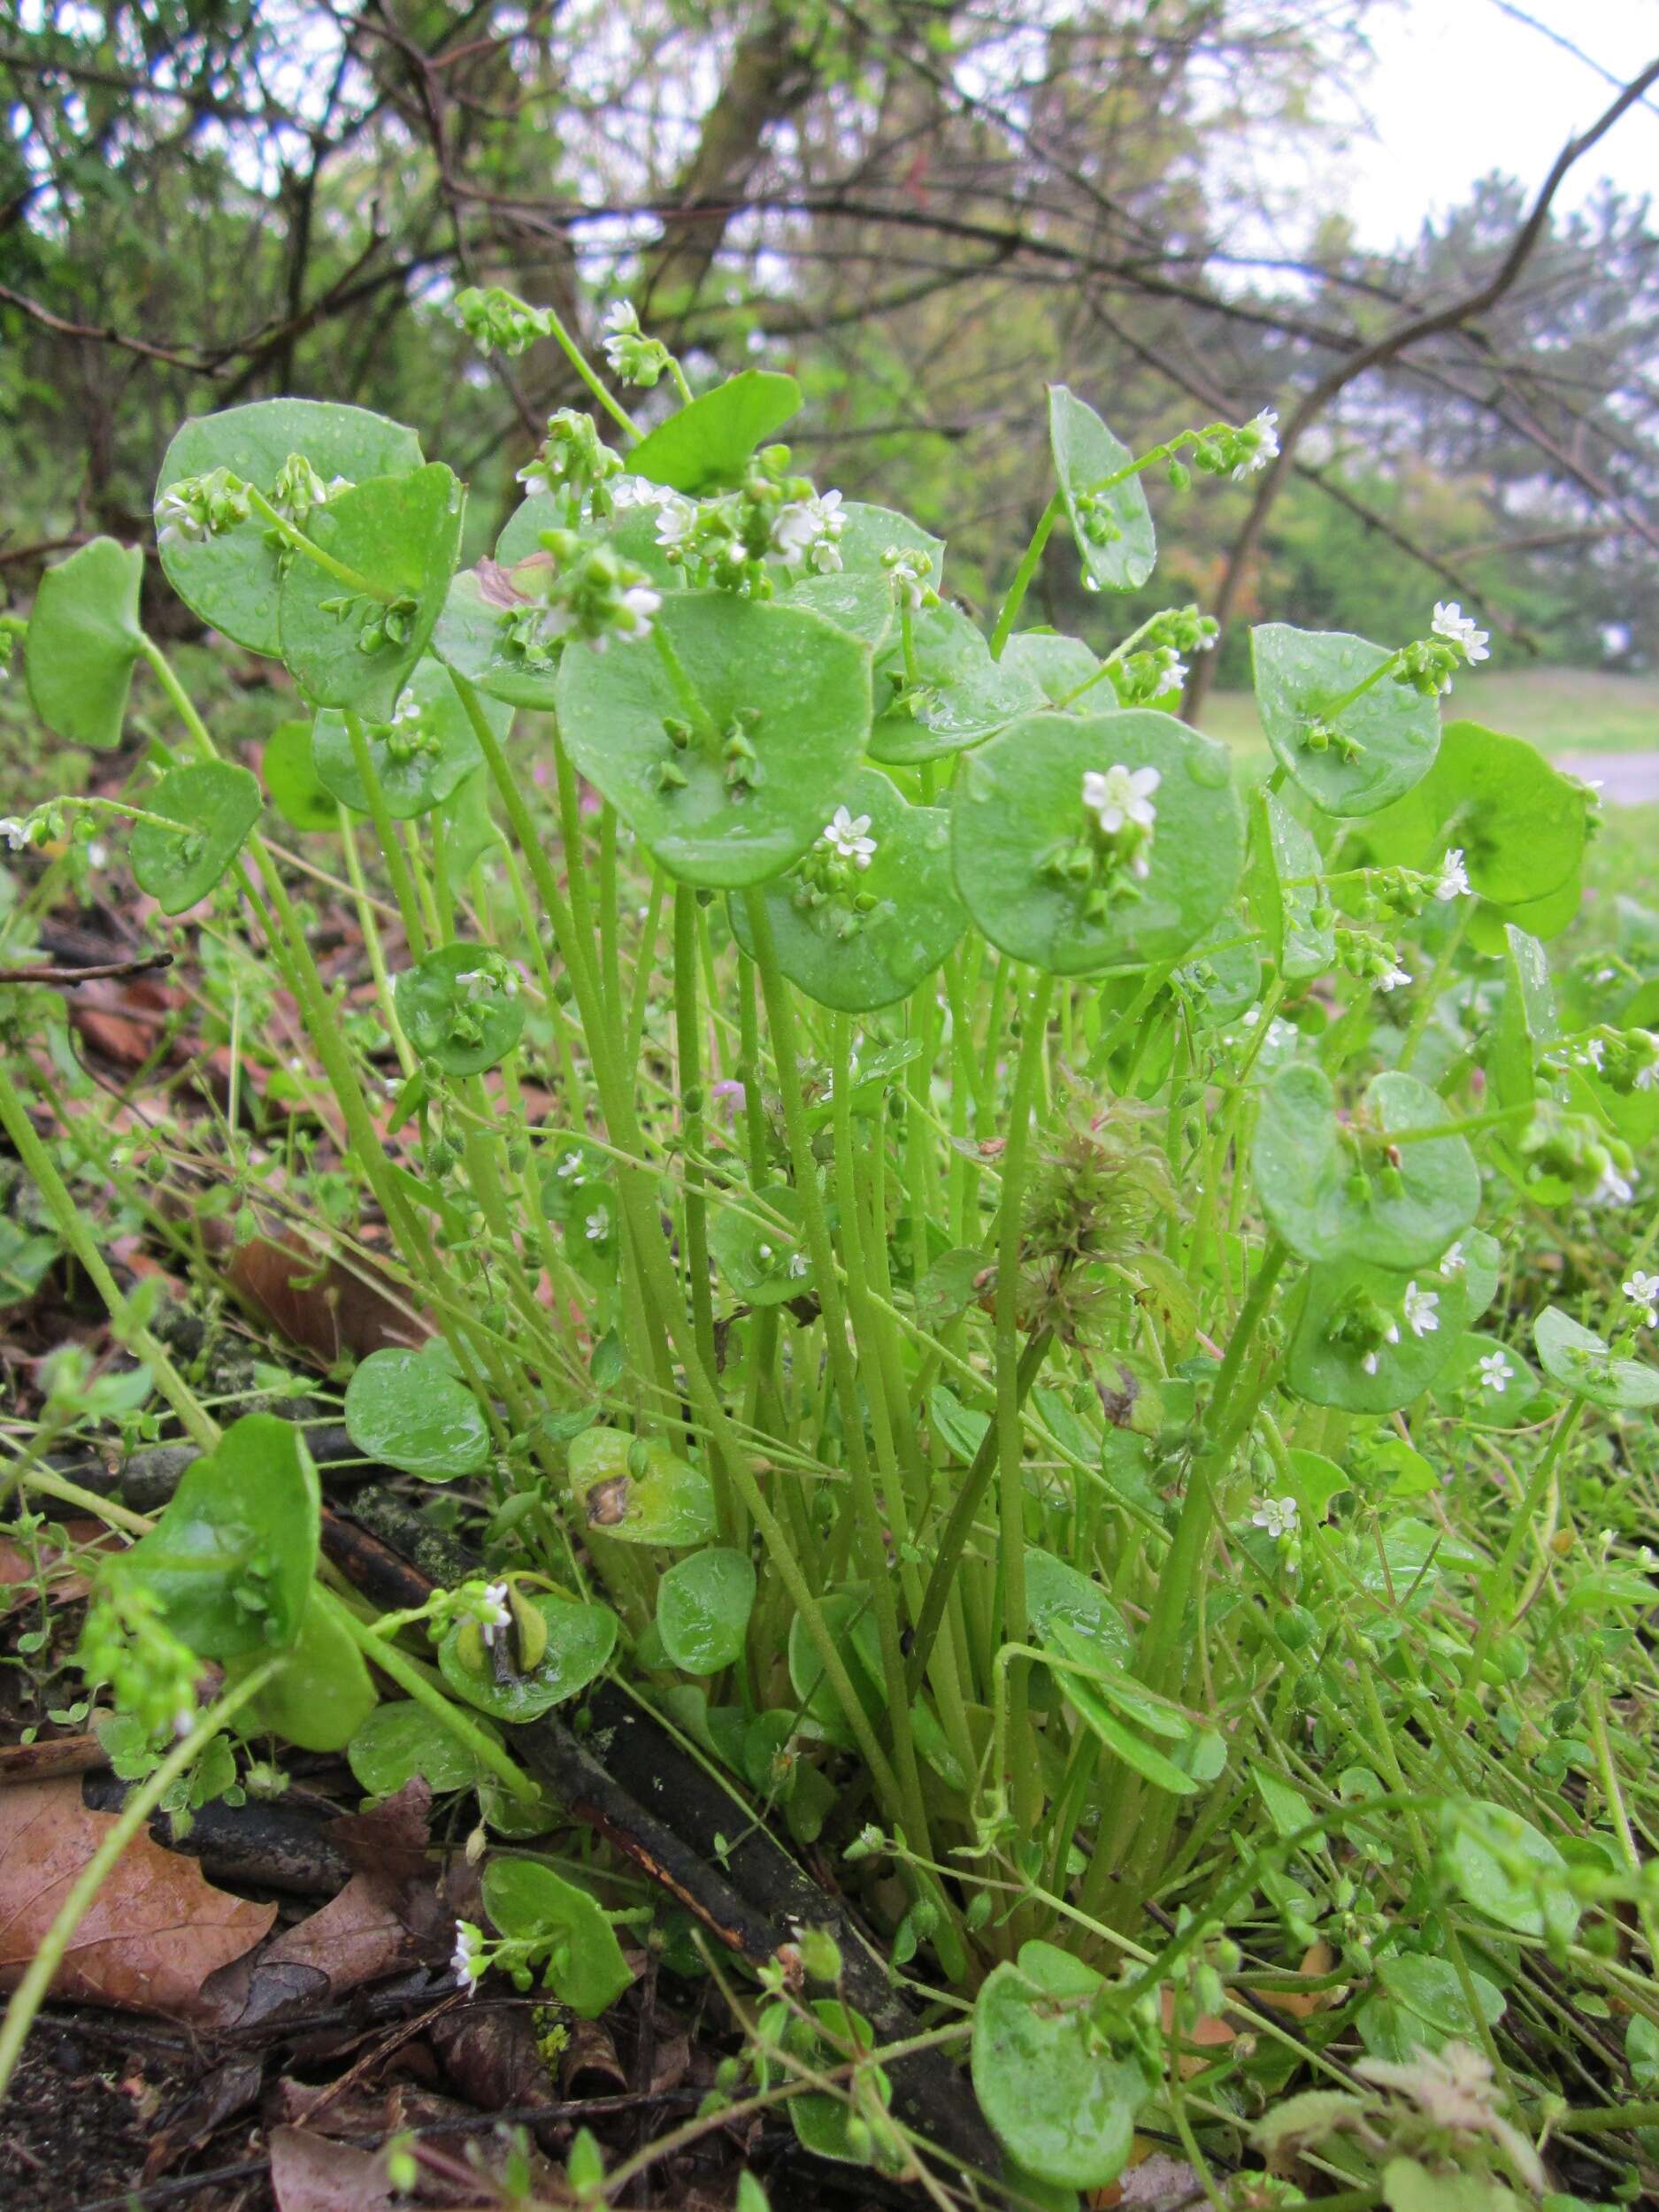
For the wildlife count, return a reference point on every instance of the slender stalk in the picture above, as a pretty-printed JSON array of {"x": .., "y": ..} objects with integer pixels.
[{"x": 1024, "y": 574}]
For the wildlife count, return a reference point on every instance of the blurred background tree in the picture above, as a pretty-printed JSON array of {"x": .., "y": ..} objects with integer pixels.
[{"x": 925, "y": 211}]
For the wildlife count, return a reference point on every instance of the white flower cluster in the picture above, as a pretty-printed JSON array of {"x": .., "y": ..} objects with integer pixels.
[
  {"x": 847, "y": 836},
  {"x": 1121, "y": 797},
  {"x": 1460, "y": 630},
  {"x": 1642, "y": 1290}
]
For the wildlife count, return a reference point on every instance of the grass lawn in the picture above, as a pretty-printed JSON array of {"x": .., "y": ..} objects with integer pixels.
[{"x": 1558, "y": 709}]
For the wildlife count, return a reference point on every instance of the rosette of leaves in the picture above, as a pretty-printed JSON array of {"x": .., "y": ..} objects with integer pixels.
[
  {"x": 1039, "y": 882},
  {"x": 857, "y": 938},
  {"x": 727, "y": 738},
  {"x": 1351, "y": 758},
  {"x": 1348, "y": 1191}
]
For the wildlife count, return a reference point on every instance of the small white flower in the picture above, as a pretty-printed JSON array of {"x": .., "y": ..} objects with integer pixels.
[
  {"x": 1393, "y": 977},
  {"x": 797, "y": 1265},
  {"x": 640, "y": 602},
  {"x": 847, "y": 836},
  {"x": 1265, "y": 426},
  {"x": 805, "y": 532},
  {"x": 1370, "y": 1362},
  {"x": 1459, "y": 629},
  {"x": 17, "y": 834},
  {"x": 1454, "y": 878},
  {"x": 1642, "y": 1290},
  {"x": 595, "y": 1226},
  {"x": 1277, "y": 1515},
  {"x": 638, "y": 491},
  {"x": 764, "y": 1251},
  {"x": 493, "y": 1612},
  {"x": 1454, "y": 1260},
  {"x": 570, "y": 1168},
  {"x": 1121, "y": 795},
  {"x": 97, "y": 854},
  {"x": 676, "y": 519},
  {"x": 1647, "y": 1078},
  {"x": 1495, "y": 1372},
  {"x": 183, "y": 1721},
  {"x": 1614, "y": 1189},
  {"x": 463, "y": 1959},
  {"x": 620, "y": 315},
  {"x": 1419, "y": 1309},
  {"x": 1175, "y": 671}
]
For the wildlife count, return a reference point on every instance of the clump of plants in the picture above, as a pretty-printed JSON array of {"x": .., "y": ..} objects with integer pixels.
[{"x": 991, "y": 1269}]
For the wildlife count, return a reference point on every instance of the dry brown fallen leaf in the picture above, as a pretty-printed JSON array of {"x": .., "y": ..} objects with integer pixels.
[{"x": 156, "y": 1929}]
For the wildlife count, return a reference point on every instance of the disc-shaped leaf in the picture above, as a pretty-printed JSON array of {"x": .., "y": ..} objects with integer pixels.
[
  {"x": 856, "y": 960},
  {"x": 400, "y": 1739},
  {"x": 1057, "y": 666},
  {"x": 215, "y": 804},
  {"x": 1058, "y": 1596},
  {"x": 844, "y": 1610},
  {"x": 424, "y": 752},
  {"x": 405, "y": 1408},
  {"x": 460, "y": 1007},
  {"x": 530, "y": 1903},
  {"x": 854, "y": 601},
  {"x": 1057, "y": 2095},
  {"x": 1506, "y": 1868},
  {"x": 1301, "y": 676},
  {"x": 231, "y": 581},
  {"x": 702, "y": 1609},
  {"x": 347, "y": 647},
  {"x": 579, "y": 1641},
  {"x": 1490, "y": 1379},
  {"x": 960, "y": 695},
  {"x": 783, "y": 683},
  {"x": 636, "y": 1491},
  {"x": 868, "y": 534},
  {"x": 1018, "y": 813},
  {"x": 292, "y": 781},
  {"x": 1112, "y": 527},
  {"x": 231, "y": 1560},
  {"x": 475, "y": 637},
  {"x": 1283, "y": 856},
  {"x": 84, "y": 635},
  {"x": 763, "y": 1266},
  {"x": 1327, "y": 1367},
  {"x": 324, "y": 1693},
  {"x": 1519, "y": 822},
  {"x": 1314, "y": 1196},
  {"x": 707, "y": 444},
  {"x": 1577, "y": 1359}
]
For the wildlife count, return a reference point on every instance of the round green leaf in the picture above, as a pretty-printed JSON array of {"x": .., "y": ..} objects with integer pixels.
[
  {"x": 764, "y": 1266},
  {"x": 1329, "y": 1370},
  {"x": 706, "y": 446},
  {"x": 1304, "y": 1173},
  {"x": 400, "y": 534},
  {"x": 215, "y": 806},
  {"x": 844, "y": 1611},
  {"x": 1491, "y": 1380},
  {"x": 530, "y": 1903},
  {"x": 1057, "y": 2095},
  {"x": 402, "y": 1739},
  {"x": 84, "y": 635},
  {"x": 1018, "y": 811},
  {"x": 855, "y": 960},
  {"x": 404, "y": 1407},
  {"x": 325, "y": 1693},
  {"x": 472, "y": 638},
  {"x": 232, "y": 1558},
  {"x": 581, "y": 1640},
  {"x": 960, "y": 696},
  {"x": 298, "y": 794},
  {"x": 423, "y": 755},
  {"x": 1057, "y": 666},
  {"x": 777, "y": 678},
  {"x": 460, "y": 1006},
  {"x": 1282, "y": 856},
  {"x": 231, "y": 581},
  {"x": 1520, "y": 823},
  {"x": 1299, "y": 675},
  {"x": 854, "y": 601},
  {"x": 1113, "y": 529},
  {"x": 1502, "y": 1866},
  {"x": 703, "y": 1610},
  {"x": 1580, "y": 1362},
  {"x": 636, "y": 1491}
]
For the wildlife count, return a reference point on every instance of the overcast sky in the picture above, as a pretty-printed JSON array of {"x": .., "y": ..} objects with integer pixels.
[{"x": 1463, "y": 87}]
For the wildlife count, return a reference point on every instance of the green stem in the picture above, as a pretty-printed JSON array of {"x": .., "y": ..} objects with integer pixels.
[
  {"x": 409, "y": 1678},
  {"x": 32, "y": 1991},
  {"x": 1024, "y": 575}
]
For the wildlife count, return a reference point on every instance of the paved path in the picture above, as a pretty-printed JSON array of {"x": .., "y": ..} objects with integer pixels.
[{"x": 1626, "y": 779}]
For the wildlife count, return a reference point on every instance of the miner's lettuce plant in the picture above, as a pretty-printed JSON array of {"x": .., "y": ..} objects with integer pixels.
[{"x": 948, "y": 1219}]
